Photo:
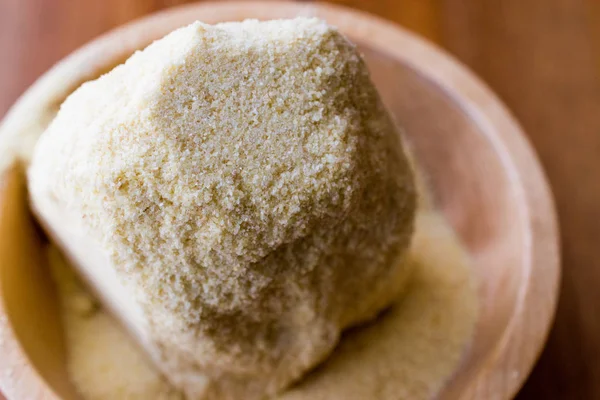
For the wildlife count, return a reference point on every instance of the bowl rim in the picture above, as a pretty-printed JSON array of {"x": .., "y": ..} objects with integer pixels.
[{"x": 508, "y": 364}]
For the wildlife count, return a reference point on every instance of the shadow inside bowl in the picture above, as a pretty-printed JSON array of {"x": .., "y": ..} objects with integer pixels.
[{"x": 28, "y": 296}]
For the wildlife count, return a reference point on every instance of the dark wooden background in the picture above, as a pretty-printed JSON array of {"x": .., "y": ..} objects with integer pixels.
[{"x": 542, "y": 57}]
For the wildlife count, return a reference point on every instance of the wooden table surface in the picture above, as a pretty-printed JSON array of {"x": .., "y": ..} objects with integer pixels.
[{"x": 542, "y": 57}]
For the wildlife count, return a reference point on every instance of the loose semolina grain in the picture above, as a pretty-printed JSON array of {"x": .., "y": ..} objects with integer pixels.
[
  {"x": 406, "y": 354},
  {"x": 248, "y": 191}
]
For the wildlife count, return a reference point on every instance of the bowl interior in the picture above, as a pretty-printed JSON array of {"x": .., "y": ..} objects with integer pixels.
[
  {"x": 470, "y": 186},
  {"x": 465, "y": 168}
]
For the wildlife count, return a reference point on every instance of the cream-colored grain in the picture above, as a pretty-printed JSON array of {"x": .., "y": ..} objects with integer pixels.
[
  {"x": 249, "y": 190},
  {"x": 103, "y": 360},
  {"x": 406, "y": 354},
  {"x": 413, "y": 348}
]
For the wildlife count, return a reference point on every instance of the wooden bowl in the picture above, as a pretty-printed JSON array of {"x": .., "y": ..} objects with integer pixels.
[{"x": 485, "y": 178}]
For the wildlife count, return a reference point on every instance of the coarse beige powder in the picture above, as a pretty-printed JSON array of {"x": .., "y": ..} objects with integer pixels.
[
  {"x": 406, "y": 354},
  {"x": 237, "y": 194},
  {"x": 104, "y": 362}
]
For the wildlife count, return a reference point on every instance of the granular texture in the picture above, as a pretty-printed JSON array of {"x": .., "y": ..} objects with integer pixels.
[
  {"x": 411, "y": 350},
  {"x": 103, "y": 360},
  {"x": 248, "y": 190},
  {"x": 407, "y": 353}
]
